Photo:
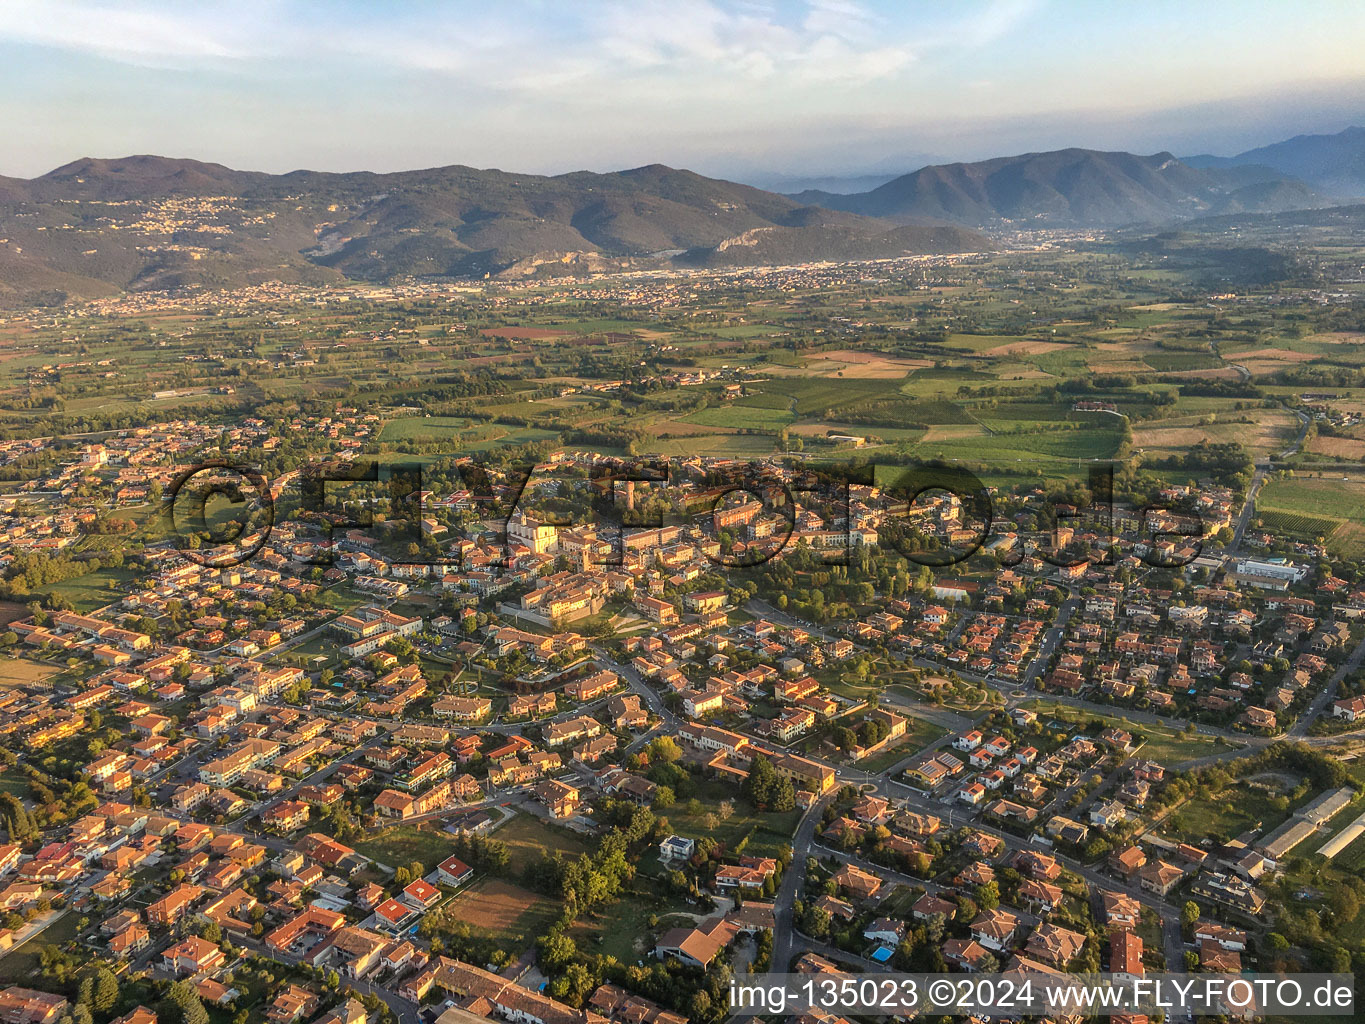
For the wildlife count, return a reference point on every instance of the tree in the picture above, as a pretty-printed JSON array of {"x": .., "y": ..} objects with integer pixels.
[
  {"x": 664, "y": 748},
  {"x": 106, "y": 990},
  {"x": 555, "y": 950},
  {"x": 767, "y": 790},
  {"x": 182, "y": 1005},
  {"x": 1189, "y": 914},
  {"x": 700, "y": 1006}
]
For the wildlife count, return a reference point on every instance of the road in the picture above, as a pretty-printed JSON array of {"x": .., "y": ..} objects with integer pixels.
[
  {"x": 1248, "y": 510},
  {"x": 1305, "y": 721}
]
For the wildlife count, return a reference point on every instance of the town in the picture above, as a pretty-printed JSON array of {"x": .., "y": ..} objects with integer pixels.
[{"x": 563, "y": 773}]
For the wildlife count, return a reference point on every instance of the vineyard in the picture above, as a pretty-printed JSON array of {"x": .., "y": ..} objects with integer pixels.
[{"x": 1297, "y": 524}]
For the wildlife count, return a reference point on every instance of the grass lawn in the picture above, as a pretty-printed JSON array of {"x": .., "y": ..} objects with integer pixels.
[
  {"x": 14, "y": 782},
  {"x": 20, "y": 966},
  {"x": 528, "y": 837},
  {"x": 621, "y": 930},
  {"x": 1327, "y": 496},
  {"x": 1226, "y": 814},
  {"x": 25, "y": 672},
  {"x": 94, "y": 590},
  {"x": 768, "y": 831},
  {"x": 918, "y": 734},
  {"x": 403, "y": 844}
]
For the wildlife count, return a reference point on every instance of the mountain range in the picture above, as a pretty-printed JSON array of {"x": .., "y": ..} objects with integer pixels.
[
  {"x": 148, "y": 222},
  {"x": 1086, "y": 188},
  {"x": 97, "y": 227},
  {"x": 1333, "y": 163}
]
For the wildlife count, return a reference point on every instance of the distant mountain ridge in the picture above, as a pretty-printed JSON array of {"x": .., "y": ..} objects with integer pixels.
[
  {"x": 1333, "y": 163},
  {"x": 147, "y": 222},
  {"x": 1079, "y": 188},
  {"x": 98, "y": 226}
]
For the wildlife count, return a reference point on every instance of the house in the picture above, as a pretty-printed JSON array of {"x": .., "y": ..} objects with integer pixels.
[
  {"x": 173, "y": 906},
  {"x": 885, "y": 930},
  {"x": 1349, "y": 708},
  {"x": 995, "y": 929},
  {"x": 968, "y": 954},
  {"x": 28, "y": 1006},
  {"x": 559, "y": 798},
  {"x": 286, "y": 816},
  {"x": 930, "y": 906},
  {"x": 1040, "y": 897},
  {"x": 1217, "y": 959},
  {"x": 131, "y": 941},
  {"x": 394, "y": 916},
  {"x": 1125, "y": 954},
  {"x": 696, "y": 946},
  {"x": 750, "y": 873},
  {"x": 193, "y": 955},
  {"x": 676, "y": 848},
  {"x": 1107, "y": 814},
  {"x": 291, "y": 1004},
  {"x": 1121, "y": 910},
  {"x": 1160, "y": 877},
  {"x": 858, "y": 883},
  {"x": 421, "y": 894},
  {"x": 1128, "y": 861},
  {"x": 1054, "y": 944},
  {"x": 453, "y": 871}
]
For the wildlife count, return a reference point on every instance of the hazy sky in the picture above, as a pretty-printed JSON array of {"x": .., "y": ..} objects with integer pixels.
[{"x": 741, "y": 88}]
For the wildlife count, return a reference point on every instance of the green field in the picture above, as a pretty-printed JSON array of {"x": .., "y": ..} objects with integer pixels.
[
  {"x": 1328, "y": 496},
  {"x": 918, "y": 734},
  {"x": 1162, "y": 744},
  {"x": 742, "y": 418},
  {"x": 528, "y": 837},
  {"x": 86, "y": 593},
  {"x": 403, "y": 844}
]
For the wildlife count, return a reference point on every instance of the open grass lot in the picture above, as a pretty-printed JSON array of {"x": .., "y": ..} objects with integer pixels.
[
  {"x": 767, "y": 831},
  {"x": 1098, "y": 440},
  {"x": 1330, "y": 505},
  {"x": 1163, "y": 744},
  {"x": 1270, "y": 431},
  {"x": 528, "y": 837},
  {"x": 502, "y": 910},
  {"x": 95, "y": 590},
  {"x": 1240, "y": 807},
  {"x": 918, "y": 733},
  {"x": 403, "y": 844},
  {"x": 25, "y": 672},
  {"x": 622, "y": 929},
  {"x": 410, "y": 427},
  {"x": 19, "y": 966},
  {"x": 1332, "y": 495},
  {"x": 14, "y": 782},
  {"x": 742, "y": 418}
]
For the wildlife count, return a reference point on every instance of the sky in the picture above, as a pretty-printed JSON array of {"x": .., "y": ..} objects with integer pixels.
[{"x": 759, "y": 91}]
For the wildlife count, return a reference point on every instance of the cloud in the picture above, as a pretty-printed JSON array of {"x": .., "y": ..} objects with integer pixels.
[{"x": 497, "y": 45}]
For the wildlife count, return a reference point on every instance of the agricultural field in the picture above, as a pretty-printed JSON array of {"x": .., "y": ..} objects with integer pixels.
[
  {"x": 502, "y": 910},
  {"x": 1325, "y": 505}
]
